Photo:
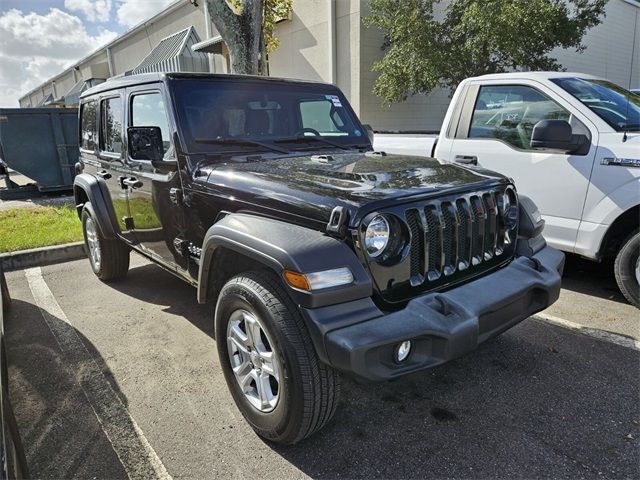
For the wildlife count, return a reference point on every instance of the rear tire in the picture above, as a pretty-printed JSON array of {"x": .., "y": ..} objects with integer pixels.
[
  {"x": 109, "y": 258},
  {"x": 303, "y": 394},
  {"x": 627, "y": 268}
]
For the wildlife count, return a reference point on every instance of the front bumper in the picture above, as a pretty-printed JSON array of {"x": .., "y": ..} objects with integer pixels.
[{"x": 358, "y": 338}]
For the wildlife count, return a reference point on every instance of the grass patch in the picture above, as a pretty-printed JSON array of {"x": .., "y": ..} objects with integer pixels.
[{"x": 23, "y": 228}]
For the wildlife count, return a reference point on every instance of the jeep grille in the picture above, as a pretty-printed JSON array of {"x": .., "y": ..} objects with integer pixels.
[{"x": 450, "y": 240}]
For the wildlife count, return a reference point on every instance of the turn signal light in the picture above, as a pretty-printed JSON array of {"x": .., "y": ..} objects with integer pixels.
[
  {"x": 319, "y": 280},
  {"x": 297, "y": 280}
]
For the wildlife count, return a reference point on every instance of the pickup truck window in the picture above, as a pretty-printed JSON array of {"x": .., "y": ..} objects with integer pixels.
[
  {"x": 271, "y": 113},
  {"x": 88, "y": 126},
  {"x": 147, "y": 110},
  {"x": 321, "y": 116},
  {"x": 615, "y": 105},
  {"x": 111, "y": 125},
  {"x": 509, "y": 113}
]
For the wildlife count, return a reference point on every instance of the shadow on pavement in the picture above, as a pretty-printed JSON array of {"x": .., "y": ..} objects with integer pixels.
[
  {"x": 177, "y": 297},
  {"x": 540, "y": 401},
  {"x": 591, "y": 278},
  {"x": 60, "y": 431}
]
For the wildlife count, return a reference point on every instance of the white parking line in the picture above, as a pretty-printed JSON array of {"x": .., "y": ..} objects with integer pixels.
[
  {"x": 137, "y": 456},
  {"x": 611, "y": 337}
]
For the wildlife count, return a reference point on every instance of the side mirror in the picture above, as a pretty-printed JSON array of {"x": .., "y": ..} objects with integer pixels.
[
  {"x": 552, "y": 134},
  {"x": 145, "y": 143},
  {"x": 369, "y": 129}
]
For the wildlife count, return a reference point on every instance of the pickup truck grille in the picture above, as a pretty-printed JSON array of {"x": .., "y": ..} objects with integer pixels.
[{"x": 450, "y": 239}]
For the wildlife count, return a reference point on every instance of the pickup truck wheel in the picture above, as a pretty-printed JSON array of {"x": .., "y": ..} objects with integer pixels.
[
  {"x": 109, "y": 258},
  {"x": 627, "y": 268},
  {"x": 271, "y": 368}
]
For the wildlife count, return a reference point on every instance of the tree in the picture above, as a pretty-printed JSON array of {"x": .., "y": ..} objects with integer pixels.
[
  {"x": 426, "y": 49},
  {"x": 247, "y": 27}
]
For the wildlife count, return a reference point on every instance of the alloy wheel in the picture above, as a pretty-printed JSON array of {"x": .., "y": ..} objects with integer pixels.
[
  {"x": 92, "y": 242},
  {"x": 254, "y": 360}
]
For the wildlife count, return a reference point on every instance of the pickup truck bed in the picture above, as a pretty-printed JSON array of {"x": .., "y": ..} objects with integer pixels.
[{"x": 407, "y": 144}]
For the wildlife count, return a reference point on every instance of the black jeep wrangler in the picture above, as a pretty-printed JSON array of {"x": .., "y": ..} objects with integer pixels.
[{"x": 321, "y": 255}]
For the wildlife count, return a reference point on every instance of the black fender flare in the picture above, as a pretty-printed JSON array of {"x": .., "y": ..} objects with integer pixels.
[
  {"x": 98, "y": 195},
  {"x": 283, "y": 246}
]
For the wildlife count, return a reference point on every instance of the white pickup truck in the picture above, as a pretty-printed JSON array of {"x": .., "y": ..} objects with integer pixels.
[{"x": 570, "y": 141}]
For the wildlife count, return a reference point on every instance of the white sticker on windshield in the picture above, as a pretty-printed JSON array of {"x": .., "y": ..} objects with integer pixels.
[{"x": 334, "y": 99}]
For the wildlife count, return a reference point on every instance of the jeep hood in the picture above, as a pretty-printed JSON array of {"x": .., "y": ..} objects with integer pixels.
[{"x": 312, "y": 186}]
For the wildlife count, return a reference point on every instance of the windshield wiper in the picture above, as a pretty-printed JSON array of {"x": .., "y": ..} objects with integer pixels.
[
  {"x": 304, "y": 138},
  {"x": 240, "y": 141}
]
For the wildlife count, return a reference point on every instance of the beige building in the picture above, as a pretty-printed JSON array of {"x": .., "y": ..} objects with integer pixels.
[{"x": 322, "y": 40}]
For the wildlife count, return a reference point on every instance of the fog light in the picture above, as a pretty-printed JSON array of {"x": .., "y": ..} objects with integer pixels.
[{"x": 402, "y": 351}]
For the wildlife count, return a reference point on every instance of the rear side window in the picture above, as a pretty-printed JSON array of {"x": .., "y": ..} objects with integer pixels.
[
  {"x": 111, "y": 125},
  {"x": 88, "y": 122}
]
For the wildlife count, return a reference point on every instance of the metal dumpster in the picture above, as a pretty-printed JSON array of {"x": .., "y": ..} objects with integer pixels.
[{"x": 42, "y": 144}]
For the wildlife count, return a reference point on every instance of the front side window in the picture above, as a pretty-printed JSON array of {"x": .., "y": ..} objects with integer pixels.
[
  {"x": 148, "y": 110},
  {"x": 88, "y": 126},
  {"x": 509, "y": 113},
  {"x": 615, "y": 105},
  {"x": 111, "y": 125}
]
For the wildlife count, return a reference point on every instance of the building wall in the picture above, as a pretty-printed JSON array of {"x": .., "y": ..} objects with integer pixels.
[
  {"x": 304, "y": 50},
  {"x": 609, "y": 54}
]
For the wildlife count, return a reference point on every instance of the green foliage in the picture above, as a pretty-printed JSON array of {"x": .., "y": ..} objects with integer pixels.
[
  {"x": 23, "y": 228},
  {"x": 274, "y": 11},
  {"x": 429, "y": 46}
]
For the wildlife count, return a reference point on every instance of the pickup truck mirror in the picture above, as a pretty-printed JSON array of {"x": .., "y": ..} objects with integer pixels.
[
  {"x": 145, "y": 143},
  {"x": 369, "y": 129},
  {"x": 552, "y": 134}
]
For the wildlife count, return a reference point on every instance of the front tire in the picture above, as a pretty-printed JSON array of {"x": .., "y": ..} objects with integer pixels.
[
  {"x": 276, "y": 379},
  {"x": 109, "y": 258},
  {"x": 627, "y": 268}
]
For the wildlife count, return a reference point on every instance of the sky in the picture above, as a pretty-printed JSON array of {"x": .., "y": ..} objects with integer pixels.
[{"x": 40, "y": 38}]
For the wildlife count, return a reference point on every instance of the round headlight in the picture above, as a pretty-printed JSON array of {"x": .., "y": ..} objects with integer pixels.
[{"x": 376, "y": 236}]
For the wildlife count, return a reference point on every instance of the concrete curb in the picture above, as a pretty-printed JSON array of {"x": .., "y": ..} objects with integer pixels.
[{"x": 39, "y": 257}]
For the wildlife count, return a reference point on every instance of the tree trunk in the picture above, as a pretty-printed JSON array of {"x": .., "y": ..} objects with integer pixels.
[{"x": 242, "y": 32}]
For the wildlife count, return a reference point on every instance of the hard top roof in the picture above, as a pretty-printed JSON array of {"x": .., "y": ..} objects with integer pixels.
[{"x": 142, "y": 78}]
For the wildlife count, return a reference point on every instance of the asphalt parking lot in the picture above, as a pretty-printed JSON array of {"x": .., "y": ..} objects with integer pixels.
[{"x": 117, "y": 380}]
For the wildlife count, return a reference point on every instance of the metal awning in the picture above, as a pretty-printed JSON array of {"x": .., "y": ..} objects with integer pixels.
[
  {"x": 72, "y": 97},
  {"x": 213, "y": 45},
  {"x": 46, "y": 100},
  {"x": 174, "y": 54}
]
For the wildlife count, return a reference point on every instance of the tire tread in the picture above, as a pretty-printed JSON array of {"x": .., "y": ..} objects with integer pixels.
[{"x": 321, "y": 383}]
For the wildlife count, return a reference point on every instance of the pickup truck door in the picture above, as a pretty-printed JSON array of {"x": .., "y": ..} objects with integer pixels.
[
  {"x": 494, "y": 132},
  {"x": 156, "y": 211}
]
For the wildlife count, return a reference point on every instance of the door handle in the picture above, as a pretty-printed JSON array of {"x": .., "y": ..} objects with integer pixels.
[
  {"x": 131, "y": 182},
  {"x": 104, "y": 174},
  {"x": 466, "y": 159}
]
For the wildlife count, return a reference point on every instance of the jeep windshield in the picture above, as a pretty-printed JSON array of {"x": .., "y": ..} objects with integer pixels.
[
  {"x": 235, "y": 115},
  {"x": 615, "y": 105}
]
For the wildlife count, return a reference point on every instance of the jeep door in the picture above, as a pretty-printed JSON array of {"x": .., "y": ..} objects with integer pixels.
[
  {"x": 154, "y": 196},
  {"x": 494, "y": 132},
  {"x": 101, "y": 147}
]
